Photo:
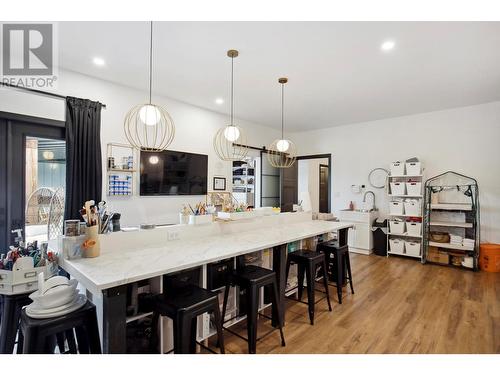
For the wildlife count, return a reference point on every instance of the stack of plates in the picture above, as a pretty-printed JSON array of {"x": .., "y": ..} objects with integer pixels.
[{"x": 58, "y": 296}]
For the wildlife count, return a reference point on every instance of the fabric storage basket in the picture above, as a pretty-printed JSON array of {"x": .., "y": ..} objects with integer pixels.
[
  {"x": 396, "y": 208},
  {"x": 413, "y": 168},
  {"x": 412, "y": 248},
  {"x": 397, "y": 246},
  {"x": 414, "y": 229},
  {"x": 397, "y": 168},
  {"x": 397, "y": 226},
  {"x": 414, "y": 188},
  {"x": 412, "y": 208},
  {"x": 397, "y": 188}
]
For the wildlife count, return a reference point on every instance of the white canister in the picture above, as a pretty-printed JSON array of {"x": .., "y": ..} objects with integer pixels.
[{"x": 183, "y": 219}]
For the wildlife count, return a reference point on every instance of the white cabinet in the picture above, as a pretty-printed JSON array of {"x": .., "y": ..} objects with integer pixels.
[{"x": 360, "y": 238}]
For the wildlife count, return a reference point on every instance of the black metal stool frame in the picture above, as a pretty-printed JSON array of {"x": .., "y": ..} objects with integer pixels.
[{"x": 252, "y": 293}]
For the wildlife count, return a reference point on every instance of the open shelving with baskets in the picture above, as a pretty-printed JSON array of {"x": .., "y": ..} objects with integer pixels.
[
  {"x": 405, "y": 209},
  {"x": 451, "y": 221}
]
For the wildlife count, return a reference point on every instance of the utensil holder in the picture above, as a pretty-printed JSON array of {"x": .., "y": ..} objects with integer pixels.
[{"x": 92, "y": 245}]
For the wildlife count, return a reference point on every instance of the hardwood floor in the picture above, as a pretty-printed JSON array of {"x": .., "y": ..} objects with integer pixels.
[{"x": 399, "y": 306}]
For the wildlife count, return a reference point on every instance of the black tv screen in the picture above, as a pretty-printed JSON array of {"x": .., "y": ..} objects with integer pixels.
[{"x": 173, "y": 173}]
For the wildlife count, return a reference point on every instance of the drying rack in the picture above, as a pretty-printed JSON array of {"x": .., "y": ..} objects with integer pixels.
[{"x": 451, "y": 205}]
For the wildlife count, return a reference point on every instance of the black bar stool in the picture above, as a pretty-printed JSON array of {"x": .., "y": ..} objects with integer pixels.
[
  {"x": 251, "y": 279},
  {"x": 36, "y": 334},
  {"x": 11, "y": 313},
  {"x": 183, "y": 305},
  {"x": 307, "y": 262},
  {"x": 339, "y": 261}
]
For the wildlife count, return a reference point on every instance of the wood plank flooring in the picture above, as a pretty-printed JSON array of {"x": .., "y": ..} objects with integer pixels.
[{"x": 399, "y": 306}]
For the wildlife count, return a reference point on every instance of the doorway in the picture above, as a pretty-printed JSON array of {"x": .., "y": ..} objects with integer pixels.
[
  {"x": 32, "y": 171},
  {"x": 314, "y": 182},
  {"x": 323, "y": 187}
]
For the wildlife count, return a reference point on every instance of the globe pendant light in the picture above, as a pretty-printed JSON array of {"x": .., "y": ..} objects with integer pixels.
[
  {"x": 230, "y": 141},
  {"x": 149, "y": 127},
  {"x": 282, "y": 152}
]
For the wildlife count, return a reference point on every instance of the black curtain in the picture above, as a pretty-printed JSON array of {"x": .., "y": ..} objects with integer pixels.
[{"x": 83, "y": 154}]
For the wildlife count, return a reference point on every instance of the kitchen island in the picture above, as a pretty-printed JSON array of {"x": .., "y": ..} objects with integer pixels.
[{"x": 127, "y": 257}]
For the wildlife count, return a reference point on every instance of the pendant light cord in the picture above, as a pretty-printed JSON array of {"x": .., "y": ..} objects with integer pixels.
[
  {"x": 282, "y": 110},
  {"x": 150, "y": 60},
  {"x": 232, "y": 89}
]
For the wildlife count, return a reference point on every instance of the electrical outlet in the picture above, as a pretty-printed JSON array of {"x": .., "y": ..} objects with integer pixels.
[{"x": 171, "y": 236}]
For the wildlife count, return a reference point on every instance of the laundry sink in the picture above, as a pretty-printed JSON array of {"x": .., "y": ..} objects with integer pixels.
[{"x": 359, "y": 216}]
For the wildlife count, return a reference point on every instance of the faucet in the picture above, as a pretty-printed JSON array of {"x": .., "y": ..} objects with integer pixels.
[{"x": 373, "y": 194}]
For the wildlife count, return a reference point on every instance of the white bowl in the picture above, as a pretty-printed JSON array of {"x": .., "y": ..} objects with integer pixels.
[
  {"x": 56, "y": 296},
  {"x": 54, "y": 282}
]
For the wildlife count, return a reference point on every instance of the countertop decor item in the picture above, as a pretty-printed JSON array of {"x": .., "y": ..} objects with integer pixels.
[
  {"x": 149, "y": 127},
  {"x": 282, "y": 152},
  {"x": 230, "y": 141}
]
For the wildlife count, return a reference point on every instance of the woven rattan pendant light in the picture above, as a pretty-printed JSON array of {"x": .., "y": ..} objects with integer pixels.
[
  {"x": 230, "y": 141},
  {"x": 282, "y": 153},
  {"x": 149, "y": 127}
]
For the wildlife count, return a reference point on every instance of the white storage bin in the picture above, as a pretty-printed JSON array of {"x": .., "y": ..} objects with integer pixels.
[
  {"x": 397, "y": 168},
  {"x": 398, "y": 188},
  {"x": 413, "y": 228},
  {"x": 412, "y": 208},
  {"x": 397, "y": 246},
  {"x": 413, "y": 168},
  {"x": 396, "y": 208},
  {"x": 414, "y": 188},
  {"x": 412, "y": 248},
  {"x": 397, "y": 226}
]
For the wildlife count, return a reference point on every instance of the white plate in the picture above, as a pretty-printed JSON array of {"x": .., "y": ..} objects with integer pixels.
[
  {"x": 38, "y": 309},
  {"x": 79, "y": 302},
  {"x": 55, "y": 297}
]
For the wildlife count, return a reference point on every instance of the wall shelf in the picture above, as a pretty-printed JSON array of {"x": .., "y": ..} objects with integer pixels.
[
  {"x": 404, "y": 235},
  {"x": 450, "y": 224},
  {"x": 451, "y": 206},
  {"x": 447, "y": 245}
]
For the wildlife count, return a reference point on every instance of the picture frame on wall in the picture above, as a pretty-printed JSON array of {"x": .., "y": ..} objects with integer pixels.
[{"x": 219, "y": 183}]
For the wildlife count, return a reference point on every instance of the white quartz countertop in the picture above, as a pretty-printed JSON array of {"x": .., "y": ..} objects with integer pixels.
[{"x": 125, "y": 258}]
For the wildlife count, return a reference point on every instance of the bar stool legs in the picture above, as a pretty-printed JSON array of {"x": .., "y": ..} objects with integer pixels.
[{"x": 307, "y": 264}]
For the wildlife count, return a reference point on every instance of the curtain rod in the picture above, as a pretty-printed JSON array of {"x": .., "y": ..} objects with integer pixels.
[{"x": 39, "y": 92}]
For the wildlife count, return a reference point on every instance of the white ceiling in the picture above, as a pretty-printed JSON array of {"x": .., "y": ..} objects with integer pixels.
[{"x": 337, "y": 72}]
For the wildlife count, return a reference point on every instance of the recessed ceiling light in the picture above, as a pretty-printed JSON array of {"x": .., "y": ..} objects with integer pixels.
[
  {"x": 99, "y": 61},
  {"x": 388, "y": 45},
  {"x": 219, "y": 101}
]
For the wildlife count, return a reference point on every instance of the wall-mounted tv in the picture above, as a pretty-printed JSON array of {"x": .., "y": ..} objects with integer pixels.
[{"x": 173, "y": 173}]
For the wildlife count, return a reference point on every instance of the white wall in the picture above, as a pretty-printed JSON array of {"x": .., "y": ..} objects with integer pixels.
[
  {"x": 195, "y": 128},
  {"x": 308, "y": 179},
  {"x": 466, "y": 140}
]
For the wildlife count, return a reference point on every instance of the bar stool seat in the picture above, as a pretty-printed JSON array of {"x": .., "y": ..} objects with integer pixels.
[
  {"x": 307, "y": 262},
  {"x": 183, "y": 305},
  {"x": 36, "y": 333},
  {"x": 251, "y": 278},
  {"x": 339, "y": 261}
]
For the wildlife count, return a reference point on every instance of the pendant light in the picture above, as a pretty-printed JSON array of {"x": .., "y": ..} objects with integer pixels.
[
  {"x": 282, "y": 152},
  {"x": 149, "y": 127},
  {"x": 230, "y": 141}
]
